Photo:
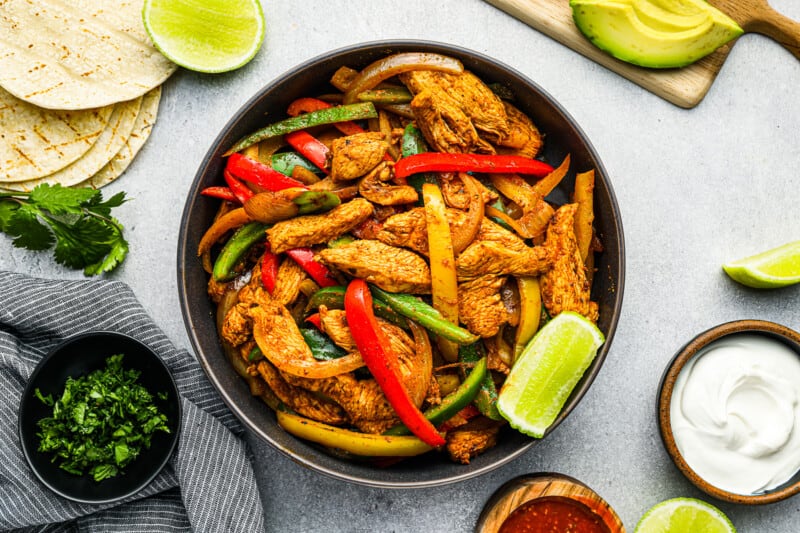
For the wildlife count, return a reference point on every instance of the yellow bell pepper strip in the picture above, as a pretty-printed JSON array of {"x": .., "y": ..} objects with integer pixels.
[
  {"x": 444, "y": 282},
  {"x": 333, "y": 298},
  {"x": 456, "y": 162},
  {"x": 453, "y": 402},
  {"x": 260, "y": 174},
  {"x": 377, "y": 353},
  {"x": 330, "y": 115},
  {"x": 236, "y": 247},
  {"x": 530, "y": 299},
  {"x": 395, "y": 64},
  {"x": 318, "y": 272},
  {"x": 485, "y": 399},
  {"x": 364, "y": 444},
  {"x": 415, "y": 309},
  {"x": 231, "y": 220},
  {"x": 310, "y": 147}
]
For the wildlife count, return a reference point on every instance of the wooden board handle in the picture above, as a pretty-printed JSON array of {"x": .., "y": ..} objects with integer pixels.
[{"x": 759, "y": 17}]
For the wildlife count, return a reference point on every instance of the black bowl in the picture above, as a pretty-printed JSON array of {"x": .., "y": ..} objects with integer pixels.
[
  {"x": 562, "y": 136},
  {"x": 78, "y": 356}
]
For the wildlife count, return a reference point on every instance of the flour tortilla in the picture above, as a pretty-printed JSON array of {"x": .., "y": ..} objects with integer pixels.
[
  {"x": 108, "y": 144},
  {"x": 36, "y": 142},
  {"x": 141, "y": 131},
  {"x": 77, "y": 54}
]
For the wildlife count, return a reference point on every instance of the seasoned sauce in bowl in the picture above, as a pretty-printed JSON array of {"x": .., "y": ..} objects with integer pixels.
[{"x": 553, "y": 514}]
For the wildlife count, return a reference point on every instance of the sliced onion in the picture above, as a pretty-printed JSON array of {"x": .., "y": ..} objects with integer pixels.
[
  {"x": 230, "y": 220},
  {"x": 395, "y": 64},
  {"x": 465, "y": 233},
  {"x": 290, "y": 361}
]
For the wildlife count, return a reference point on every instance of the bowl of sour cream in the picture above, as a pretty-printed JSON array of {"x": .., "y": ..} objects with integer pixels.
[{"x": 729, "y": 411}]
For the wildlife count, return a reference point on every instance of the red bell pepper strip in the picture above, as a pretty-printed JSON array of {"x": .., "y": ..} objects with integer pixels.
[
  {"x": 318, "y": 272},
  {"x": 307, "y": 105},
  {"x": 455, "y": 162},
  {"x": 239, "y": 189},
  {"x": 260, "y": 174},
  {"x": 269, "y": 269},
  {"x": 377, "y": 353},
  {"x": 315, "y": 320},
  {"x": 311, "y": 147},
  {"x": 223, "y": 193}
]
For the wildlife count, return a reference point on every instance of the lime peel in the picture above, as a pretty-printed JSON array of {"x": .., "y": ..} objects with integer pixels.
[
  {"x": 547, "y": 371},
  {"x": 680, "y": 515},
  {"x": 209, "y": 36},
  {"x": 773, "y": 268}
]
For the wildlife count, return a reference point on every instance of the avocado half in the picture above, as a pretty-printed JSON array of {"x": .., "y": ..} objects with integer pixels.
[{"x": 654, "y": 33}]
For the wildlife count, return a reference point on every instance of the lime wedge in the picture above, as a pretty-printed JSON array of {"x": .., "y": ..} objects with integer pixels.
[
  {"x": 774, "y": 268},
  {"x": 546, "y": 371},
  {"x": 205, "y": 35},
  {"x": 681, "y": 515}
]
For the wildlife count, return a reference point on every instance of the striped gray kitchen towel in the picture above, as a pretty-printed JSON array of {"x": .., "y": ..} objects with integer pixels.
[{"x": 209, "y": 484}]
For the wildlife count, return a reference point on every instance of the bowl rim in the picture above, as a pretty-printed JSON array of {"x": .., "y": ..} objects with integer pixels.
[
  {"x": 27, "y": 396},
  {"x": 247, "y": 108},
  {"x": 667, "y": 386},
  {"x": 512, "y": 494}
]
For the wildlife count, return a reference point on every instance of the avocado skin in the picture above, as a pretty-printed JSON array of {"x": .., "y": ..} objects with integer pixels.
[{"x": 614, "y": 27}]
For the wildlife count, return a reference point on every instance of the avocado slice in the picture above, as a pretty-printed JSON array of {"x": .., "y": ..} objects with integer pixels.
[
  {"x": 615, "y": 26},
  {"x": 661, "y": 18}
]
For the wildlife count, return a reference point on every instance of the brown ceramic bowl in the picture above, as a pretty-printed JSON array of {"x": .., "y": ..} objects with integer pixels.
[
  {"x": 562, "y": 136},
  {"x": 530, "y": 487},
  {"x": 770, "y": 329}
]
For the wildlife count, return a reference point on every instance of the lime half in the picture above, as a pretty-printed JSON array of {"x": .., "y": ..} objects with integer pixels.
[
  {"x": 771, "y": 269},
  {"x": 205, "y": 35},
  {"x": 684, "y": 515},
  {"x": 546, "y": 371}
]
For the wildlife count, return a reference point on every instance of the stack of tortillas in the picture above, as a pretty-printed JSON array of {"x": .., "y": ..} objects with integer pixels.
[{"x": 79, "y": 90}]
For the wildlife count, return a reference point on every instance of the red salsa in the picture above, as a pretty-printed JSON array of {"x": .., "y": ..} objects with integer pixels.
[{"x": 553, "y": 514}]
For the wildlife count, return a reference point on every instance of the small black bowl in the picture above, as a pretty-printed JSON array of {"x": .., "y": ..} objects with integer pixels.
[
  {"x": 78, "y": 356},
  {"x": 562, "y": 136}
]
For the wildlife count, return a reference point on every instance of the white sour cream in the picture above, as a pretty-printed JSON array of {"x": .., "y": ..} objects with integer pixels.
[{"x": 735, "y": 413}]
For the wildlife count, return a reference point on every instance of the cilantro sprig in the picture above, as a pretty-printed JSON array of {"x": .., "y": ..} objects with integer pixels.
[
  {"x": 101, "y": 422},
  {"x": 76, "y": 222}
]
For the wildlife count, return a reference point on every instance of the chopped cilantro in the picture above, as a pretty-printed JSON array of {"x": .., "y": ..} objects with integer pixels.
[
  {"x": 75, "y": 220},
  {"x": 101, "y": 422}
]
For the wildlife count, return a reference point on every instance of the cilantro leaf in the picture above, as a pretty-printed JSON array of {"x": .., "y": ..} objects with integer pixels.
[
  {"x": 7, "y": 210},
  {"x": 77, "y": 221},
  {"x": 57, "y": 199},
  {"x": 101, "y": 422},
  {"x": 30, "y": 233}
]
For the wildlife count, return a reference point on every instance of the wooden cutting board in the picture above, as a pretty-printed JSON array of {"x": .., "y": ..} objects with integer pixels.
[{"x": 684, "y": 87}]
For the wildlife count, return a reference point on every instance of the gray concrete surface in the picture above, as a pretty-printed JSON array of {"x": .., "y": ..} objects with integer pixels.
[{"x": 696, "y": 188}]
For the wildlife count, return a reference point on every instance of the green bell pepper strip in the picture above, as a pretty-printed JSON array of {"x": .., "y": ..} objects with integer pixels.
[
  {"x": 486, "y": 397},
  {"x": 328, "y": 115},
  {"x": 255, "y": 355},
  {"x": 425, "y": 315},
  {"x": 284, "y": 162},
  {"x": 236, "y": 247},
  {"x": 413, "y": 143},
  {"x": 388, "y": 95},
  {"x": 453, "y": 402},
  {"x": 333, "y": 298},
  {"x": 322, "y": 347}
]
